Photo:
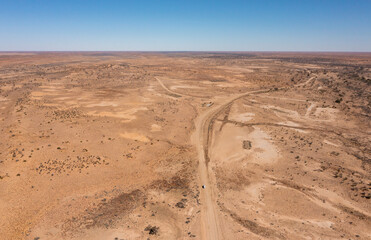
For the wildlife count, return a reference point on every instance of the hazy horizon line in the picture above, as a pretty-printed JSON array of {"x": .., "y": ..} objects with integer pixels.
[{"x": 185, "y": 51}]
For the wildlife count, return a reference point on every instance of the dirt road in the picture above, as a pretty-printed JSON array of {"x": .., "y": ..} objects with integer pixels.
[
  {"x": 210, "y": 227},
  {"x": 171, "y": 93},
  {"x": 210, "y": 221}
]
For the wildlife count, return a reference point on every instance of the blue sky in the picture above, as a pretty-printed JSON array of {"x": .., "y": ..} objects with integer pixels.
[{"x": 185, "y": 25}]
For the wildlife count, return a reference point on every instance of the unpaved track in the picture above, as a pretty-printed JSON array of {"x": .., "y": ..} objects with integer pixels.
[
  {"x": 172, "y": 93},
  {"x": 210, "y": 221},
  {"x": 211, "y": 228}
]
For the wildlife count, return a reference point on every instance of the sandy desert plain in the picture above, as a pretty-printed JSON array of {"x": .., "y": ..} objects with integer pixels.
[{"x": 117, "y": 145}]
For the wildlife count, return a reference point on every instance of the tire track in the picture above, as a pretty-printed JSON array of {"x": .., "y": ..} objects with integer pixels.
[
  {"x": 170, "y": 92},
  {"x": 210, "y": 221}
]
